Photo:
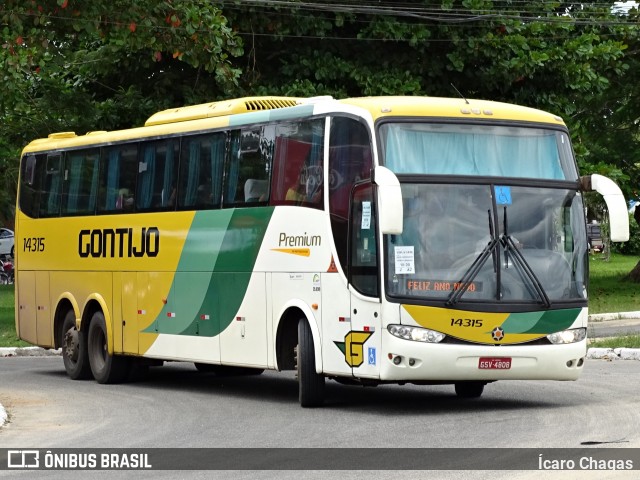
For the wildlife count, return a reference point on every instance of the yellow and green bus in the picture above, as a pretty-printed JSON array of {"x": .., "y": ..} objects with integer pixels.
[{"x": 367, "y": 240}]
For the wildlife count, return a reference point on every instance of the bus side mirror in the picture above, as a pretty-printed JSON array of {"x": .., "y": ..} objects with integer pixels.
[
  {"x": 616, "y": 204},
  {"x": 390, "y": 213}
]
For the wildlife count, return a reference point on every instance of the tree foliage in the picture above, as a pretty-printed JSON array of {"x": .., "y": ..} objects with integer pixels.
[{"x": 77, "y": 65}]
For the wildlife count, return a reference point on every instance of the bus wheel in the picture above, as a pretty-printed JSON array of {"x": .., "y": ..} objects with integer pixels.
[
  {"x": 310, "y": 383},
  {"x": 204, "y": 367},
  {"x": 74, "y": 349},
  {"x": 105, "y": 368},
  {"x": 469, "y": 389}
]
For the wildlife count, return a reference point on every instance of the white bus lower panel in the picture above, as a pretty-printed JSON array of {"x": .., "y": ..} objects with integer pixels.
[{"x": 405, "y": 360}]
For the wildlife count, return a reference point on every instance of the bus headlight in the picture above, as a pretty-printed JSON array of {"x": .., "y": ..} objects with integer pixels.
[
  {"x": 416, "y": 334},
  {"x": 568, "y": 336}
]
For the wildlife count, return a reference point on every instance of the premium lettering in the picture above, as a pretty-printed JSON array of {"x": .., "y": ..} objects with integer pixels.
[
  {"x": 299, "y": 240},
  {"x": 119, "y": 242}
]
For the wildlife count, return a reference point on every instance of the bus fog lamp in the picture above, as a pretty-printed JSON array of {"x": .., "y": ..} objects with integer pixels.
[
  {"x": 416, "y": 334},
  {"x": 568, "y": 336}
]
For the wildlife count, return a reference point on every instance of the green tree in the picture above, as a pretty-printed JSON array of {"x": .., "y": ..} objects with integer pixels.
[
  {"x": 531, "y": 53},
  {"x": 77, "y": 65}
]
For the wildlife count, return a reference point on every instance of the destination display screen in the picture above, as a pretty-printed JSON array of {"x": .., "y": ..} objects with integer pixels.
[{"x": 440, "y": 286}]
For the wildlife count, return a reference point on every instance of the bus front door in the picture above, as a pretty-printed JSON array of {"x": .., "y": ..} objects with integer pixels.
[{"x": 365, "y": 336}]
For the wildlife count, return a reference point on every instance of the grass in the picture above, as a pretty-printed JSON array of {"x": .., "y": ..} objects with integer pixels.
[
  {"x": 622, "y": 341},
  {"x": 608, "y": 289},
  {"x": 8, "y": 337},
  {"x": 608, "y": 292}
]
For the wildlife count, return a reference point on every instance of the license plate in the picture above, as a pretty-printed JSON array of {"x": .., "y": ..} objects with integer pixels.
[{"x": 494, "y": 363}]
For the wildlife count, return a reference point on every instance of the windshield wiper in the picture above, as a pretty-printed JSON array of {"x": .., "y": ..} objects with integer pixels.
[
  {"x": 510, "y": 247},
  {"x": 476, "y": 266}
]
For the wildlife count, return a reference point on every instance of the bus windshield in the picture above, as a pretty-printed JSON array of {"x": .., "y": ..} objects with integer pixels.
[
  {"x": 488, "y": 243},
  {"x": 479, "y": 150}
]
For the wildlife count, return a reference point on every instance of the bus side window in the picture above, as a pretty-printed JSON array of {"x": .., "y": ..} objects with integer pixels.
[
  {"x": 118, "y": 179},
  {"x": 349, "y": 162},
  {"x": 80, "y": 187},
  {"x": 51, "y": 187},
  {"x": 250, "y": 160},
  {"x": 363, "y": 264},
  {"x": 30, "y": 184},
  {"x": 157, "y": 175},
  {"x": 298, "y": 164},
  {"x": 201, "y": 167}
]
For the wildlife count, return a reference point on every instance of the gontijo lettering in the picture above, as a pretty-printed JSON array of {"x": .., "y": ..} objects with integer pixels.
[{"x": 119, "y": 242}]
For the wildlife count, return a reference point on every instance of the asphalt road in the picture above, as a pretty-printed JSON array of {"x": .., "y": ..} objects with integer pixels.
[
  {"x": 179, "y": 407},
  {"x": 611, "y": 328}
]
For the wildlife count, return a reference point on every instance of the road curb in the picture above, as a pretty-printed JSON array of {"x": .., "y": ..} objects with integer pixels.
[
  {"x": 614, "y": 353},
  {"x": 3, "y": 416},
  {"x": 603, "y": 317},
  {"x": 28, "y": 352}
]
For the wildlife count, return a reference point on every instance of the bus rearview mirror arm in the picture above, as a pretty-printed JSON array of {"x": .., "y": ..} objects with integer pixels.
[
  {"x": 616, "y": 204},
  {"x": 390, "y": 213}
]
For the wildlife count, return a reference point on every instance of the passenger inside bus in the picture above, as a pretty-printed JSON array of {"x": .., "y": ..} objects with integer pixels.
[
  {"x": 255, "y": 190},
  {"x": 297, "y": 193},
  {"x": 308, "y": 187}
]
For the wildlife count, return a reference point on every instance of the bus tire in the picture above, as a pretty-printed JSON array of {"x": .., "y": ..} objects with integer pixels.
[
  {"x": 310, "y": 383},
  {"x": 74, "y": 349},
  {"x": 105, "y": 368},
  {"x": 469, "y": 389}
]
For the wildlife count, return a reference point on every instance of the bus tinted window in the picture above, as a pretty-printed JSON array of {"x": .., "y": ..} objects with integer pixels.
[
  {"x": 80, "y": 182},
  {"x": 349, "y": 163},
  {"x": 51, "y": 187},
  {"x": 297, "y": 164},
  {"x": 157, "y": 175},
  {"x": 363, "y": 273},
  {"x": 247, "y": 179},
  {"x": 483, "y": 150},
  {"x": 202, "y": 162},
  {"x": 118, "y": 179},
  {"x": 30, "y": 179}
]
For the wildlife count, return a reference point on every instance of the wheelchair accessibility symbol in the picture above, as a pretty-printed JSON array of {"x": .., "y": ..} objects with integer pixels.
[
  {"x": 503, "y": 195},
  {"x": 372, "y": 356}
]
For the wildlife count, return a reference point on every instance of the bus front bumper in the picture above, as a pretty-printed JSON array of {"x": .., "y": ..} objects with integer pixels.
[{"x": 406, "y": 360}]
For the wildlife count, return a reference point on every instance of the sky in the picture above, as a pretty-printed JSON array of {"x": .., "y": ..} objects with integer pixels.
[{"x": 625, "y": 6}]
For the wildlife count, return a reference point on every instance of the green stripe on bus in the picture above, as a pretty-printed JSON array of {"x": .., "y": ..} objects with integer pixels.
[
  {"x": 541, "y": 322},
  {"x": 555, "y": 320},
  {"x": 214, "y": 271}
]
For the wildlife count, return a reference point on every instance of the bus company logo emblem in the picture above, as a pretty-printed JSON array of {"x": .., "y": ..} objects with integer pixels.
[
  {"x": 497, "y": 334},
  {"x": 353, "y": 347}
]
